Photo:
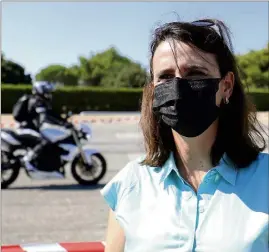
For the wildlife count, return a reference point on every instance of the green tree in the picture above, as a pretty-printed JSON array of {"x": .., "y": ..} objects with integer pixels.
[
  {"x": 130, "y": 75},
  {"x": 255, "y": 68},
  {"x": 13, "y": 73},
  {"x": 133, "y": 76},
  {"x": 59, "y": 74},
  {"x": 70, "y": 76},
  {"x": 51, "y": 73},
  {"x": 85, "y": 70},
  {"x": 111, "y": 69}
]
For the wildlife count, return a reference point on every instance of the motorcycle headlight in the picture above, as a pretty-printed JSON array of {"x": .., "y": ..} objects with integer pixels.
[
  {"x": 85, "y": 129},
  {"x": 88, "y": 137}
]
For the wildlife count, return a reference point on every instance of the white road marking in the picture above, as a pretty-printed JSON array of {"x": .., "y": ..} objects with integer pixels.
[
  {"x": 128, "y": 135},
  {"x": 133, "y": 156}
]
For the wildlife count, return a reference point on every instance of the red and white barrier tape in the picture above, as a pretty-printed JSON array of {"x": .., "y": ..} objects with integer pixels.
[
  {"x": 9, "y": 125},
  {"x": 56, "y": 247},
  {"x": 77, "y": 121},
  {"x": 107, "y": 120}
]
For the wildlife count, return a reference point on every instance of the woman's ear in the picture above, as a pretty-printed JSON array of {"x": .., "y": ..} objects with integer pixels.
[
  {"x": 225, "y": 89},
  {"x": 227, "y": 86}
]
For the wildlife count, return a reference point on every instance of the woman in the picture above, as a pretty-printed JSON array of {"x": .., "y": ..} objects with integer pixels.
[{"x": 203, "y": 184}]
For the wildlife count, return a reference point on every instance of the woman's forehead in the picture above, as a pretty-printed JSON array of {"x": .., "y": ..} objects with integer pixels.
[{"x": 185, "y": 55}]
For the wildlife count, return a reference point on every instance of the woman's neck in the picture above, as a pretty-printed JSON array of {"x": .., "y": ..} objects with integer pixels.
[{"x": 193, "y": 156}]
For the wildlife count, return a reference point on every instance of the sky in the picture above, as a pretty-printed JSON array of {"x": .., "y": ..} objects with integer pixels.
[{"x": 37, "y": 34}]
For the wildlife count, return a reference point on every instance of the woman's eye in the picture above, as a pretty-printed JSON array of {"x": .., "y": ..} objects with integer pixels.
[
  {"x": 195, "y": 73},
  {"x": 166, "y": 76}
]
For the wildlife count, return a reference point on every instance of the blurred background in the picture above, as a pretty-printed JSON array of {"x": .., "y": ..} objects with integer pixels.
[{"x": 98, "y": 54}]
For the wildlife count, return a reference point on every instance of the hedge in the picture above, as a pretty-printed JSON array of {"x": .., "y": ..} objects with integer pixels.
[{"x": 79, "y": 99}]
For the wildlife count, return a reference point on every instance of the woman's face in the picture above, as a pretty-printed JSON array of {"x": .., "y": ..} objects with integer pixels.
[{"x": 186, "y": 62}]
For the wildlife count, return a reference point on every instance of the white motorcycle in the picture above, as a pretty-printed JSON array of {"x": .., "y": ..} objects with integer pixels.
[{"x": 67, "y": 145}]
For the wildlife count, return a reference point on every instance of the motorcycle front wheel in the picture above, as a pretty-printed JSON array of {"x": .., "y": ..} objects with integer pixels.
[
  {"x": 89, "y": 175},
  {"x": 10, "y": 167}
]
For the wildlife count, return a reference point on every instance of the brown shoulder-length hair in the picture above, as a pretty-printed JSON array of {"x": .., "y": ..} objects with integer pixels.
[{"x": 237, "y": 135}]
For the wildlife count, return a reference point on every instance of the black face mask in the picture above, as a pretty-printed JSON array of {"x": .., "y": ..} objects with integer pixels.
[{"x": 187, "y": 106}]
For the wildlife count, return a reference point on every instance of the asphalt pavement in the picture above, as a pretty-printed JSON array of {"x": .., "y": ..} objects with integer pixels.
[{"x": 62, "y": 210}]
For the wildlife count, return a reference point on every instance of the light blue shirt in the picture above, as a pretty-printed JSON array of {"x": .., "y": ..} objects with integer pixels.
[{"x": 160, "y": 212}]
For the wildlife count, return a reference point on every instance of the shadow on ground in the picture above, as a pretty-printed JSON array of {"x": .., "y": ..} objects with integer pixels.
[{"x": 53, "y": 187}]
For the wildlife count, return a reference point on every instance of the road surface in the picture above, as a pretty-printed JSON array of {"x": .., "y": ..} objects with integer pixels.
[{"x": 61, "y": 210}]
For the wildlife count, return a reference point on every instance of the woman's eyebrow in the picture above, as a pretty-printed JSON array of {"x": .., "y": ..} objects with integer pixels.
[
  {"x": 185, "y": 68},
  {"x": 192, "y": 67}
]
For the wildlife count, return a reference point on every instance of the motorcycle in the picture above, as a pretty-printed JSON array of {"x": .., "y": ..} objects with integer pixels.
[{"x": 67, "y": 145}]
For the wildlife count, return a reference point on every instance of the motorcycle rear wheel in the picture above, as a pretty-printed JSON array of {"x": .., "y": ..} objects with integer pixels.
[{"x": 14, "y": 167}]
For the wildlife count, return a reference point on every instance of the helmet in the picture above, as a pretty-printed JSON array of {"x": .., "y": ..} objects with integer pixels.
[{"x": 43, "y": 89}]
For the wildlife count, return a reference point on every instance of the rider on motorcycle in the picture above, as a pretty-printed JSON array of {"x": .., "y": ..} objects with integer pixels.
[{"x": 40, "y": 110}]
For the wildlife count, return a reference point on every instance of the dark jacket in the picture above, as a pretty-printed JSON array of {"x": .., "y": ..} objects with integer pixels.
[{"x": 40, "y": 110}]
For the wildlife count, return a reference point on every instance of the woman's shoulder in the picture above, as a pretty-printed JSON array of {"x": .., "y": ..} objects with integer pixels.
[
  {"x": 262, "y": 162},
  {"x": 131, "y": 172},
  {"x": 123, "y": 182},
  {"x": 257, "y": 171},
  {"x": 263, "y": 156}
]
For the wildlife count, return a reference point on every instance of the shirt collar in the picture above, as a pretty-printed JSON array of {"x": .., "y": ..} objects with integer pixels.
[
  {"x": 226, "y": 169},
  {"x": 168, "y": 167}
]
